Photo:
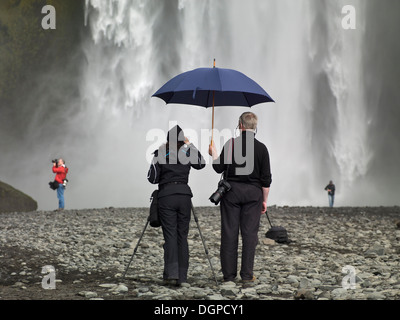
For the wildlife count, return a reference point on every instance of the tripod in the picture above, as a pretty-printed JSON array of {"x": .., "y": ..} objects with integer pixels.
[{"x": 201, "y": 236}]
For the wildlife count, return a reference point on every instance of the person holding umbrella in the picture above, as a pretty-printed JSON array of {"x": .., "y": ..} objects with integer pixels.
[
  {"x": 246, "y": 166},
  {"x": 170, "y": 169}
]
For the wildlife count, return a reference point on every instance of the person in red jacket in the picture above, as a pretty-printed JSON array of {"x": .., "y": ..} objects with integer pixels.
[{"x": 61, "y": 171}]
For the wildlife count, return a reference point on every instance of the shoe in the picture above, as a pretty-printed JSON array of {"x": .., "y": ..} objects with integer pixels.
[
  {"x": 182, "y": 284},
  {"x": 170, "y": 282},
  {"x": 249, "y": 280}
]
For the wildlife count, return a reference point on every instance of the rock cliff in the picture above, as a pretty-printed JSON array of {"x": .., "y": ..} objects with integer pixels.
[{"x": 13, "y": 200}]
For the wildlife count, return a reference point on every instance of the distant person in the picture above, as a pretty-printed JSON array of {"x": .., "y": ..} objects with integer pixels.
[
  {"x": 331, "y": 193},
  {"x": 170, "y": 169},
  {"x": 246, "y": 166},
  {"x": 61, "y": 171}
]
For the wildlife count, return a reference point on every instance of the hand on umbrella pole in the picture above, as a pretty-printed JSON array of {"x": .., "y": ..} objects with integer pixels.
[{"x": 212, "y": 151}]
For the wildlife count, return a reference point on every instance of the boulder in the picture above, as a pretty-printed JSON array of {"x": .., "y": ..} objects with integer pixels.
[{"x": 13, "y": 200}]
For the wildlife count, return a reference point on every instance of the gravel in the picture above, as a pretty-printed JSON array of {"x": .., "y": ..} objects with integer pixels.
[{"x": 349, "y": 253}]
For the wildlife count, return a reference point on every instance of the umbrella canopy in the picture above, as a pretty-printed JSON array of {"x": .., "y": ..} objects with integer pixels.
[{"x": 208, "y": 87}]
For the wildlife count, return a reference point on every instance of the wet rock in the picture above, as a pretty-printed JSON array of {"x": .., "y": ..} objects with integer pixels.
[
  {"x": 304, "y": 294},
  {"x": 13, "y": 200}
]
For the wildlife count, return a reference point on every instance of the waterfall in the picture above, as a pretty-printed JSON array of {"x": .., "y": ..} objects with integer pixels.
[
  {"x": 343, "y": 67},
  {"x": 287, "y": 46}
]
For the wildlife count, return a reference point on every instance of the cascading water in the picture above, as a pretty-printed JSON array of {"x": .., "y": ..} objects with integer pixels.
[
  {"x": 325, "y": 124},
  {"x": 133, "y": 40},
  {"x": 343, "y": 68}
]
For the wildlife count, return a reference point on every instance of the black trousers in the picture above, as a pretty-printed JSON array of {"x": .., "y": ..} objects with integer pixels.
[
  {"x": 175, "y": 213},
  {"x": 240, "y": 210}
]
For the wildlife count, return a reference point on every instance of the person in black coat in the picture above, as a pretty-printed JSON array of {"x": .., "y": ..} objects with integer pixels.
[
  {"x": 331, "y": 193},
  {"x": 170, "y": 169},
  {"x": 245, "y": 163}
]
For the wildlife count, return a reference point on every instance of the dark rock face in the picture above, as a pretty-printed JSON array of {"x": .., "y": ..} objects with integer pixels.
[{"x": 13, "y": 200}]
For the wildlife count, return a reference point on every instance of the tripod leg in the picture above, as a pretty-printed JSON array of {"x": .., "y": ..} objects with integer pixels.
[
  {"x": 137, "y": 245},
  {"x": 204, "y": 244}
]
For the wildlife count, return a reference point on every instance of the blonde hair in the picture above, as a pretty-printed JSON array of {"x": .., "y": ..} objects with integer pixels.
[{"x": 248, "y": 120}]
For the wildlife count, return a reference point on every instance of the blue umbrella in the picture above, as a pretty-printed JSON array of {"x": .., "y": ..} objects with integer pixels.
[{"x": 210, "y": 87}]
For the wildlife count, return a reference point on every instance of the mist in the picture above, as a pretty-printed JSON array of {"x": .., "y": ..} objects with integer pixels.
[{"x": 336, "y": 115}]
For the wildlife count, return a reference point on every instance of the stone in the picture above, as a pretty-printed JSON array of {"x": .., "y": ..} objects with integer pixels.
[
  {"x": 375, "y": 250},
  {"x": 268, "y": 242},
  {"x": 228, "y": 284},
  {"x": 376, "y": 296},
  {"x": 90, "y": 245},
  {"x": 13, "y": 200},
  {"x": 215, "y": 297},
  {"x": 88, "y": 294},
  {"x": 304, "y": 294},
  {"x": 292, "y": 279},
  {"x": 339, "y": 293},
  {"x": 108, "y": 285},
  {"x": 120, "y": 288},
  {"x": 229, "y": 292}
]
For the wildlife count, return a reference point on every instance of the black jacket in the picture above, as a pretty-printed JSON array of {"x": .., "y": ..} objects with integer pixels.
[
  {"x": 331, "y": 188},
  {"x": 170, "y": 169},
  {"x": 245, "y": 159}
]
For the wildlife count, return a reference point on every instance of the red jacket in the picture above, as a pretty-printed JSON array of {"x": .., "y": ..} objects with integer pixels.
[{"x": 61, "y": 173}]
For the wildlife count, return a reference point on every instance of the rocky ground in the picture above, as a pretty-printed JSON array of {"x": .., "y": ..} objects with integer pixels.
[{"x": 90, "y": 249}]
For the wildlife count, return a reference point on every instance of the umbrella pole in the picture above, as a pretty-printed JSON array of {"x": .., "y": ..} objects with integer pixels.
[{"x": 212, "y": 129}]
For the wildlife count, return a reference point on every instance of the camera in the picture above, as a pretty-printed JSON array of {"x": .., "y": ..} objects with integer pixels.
[
  {"x": 223, "y": 187},
  {"x": 55, "y": 161}
]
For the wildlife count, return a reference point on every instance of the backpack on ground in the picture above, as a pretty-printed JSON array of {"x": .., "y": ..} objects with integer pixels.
[{"x": 279, "y": 234}]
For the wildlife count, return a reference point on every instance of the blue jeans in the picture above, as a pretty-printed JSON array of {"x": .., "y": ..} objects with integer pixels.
[
  {"x": 60, "y": 196},
  {"x": 331, "y": 199}
]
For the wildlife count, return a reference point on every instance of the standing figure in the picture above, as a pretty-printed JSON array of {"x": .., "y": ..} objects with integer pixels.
[
  {"x": 246, "y": 167},
  {"x": 61, "y": 171},
  {"x": 331, "y": 193},
  {"x": 170, "y": 169}
]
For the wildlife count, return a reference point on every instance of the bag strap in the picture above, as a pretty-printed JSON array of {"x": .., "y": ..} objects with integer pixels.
[{"x": 266, "y": 213}]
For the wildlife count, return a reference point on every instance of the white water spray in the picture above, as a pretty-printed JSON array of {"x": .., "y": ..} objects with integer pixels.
[{"x": 138, "y": 45}]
